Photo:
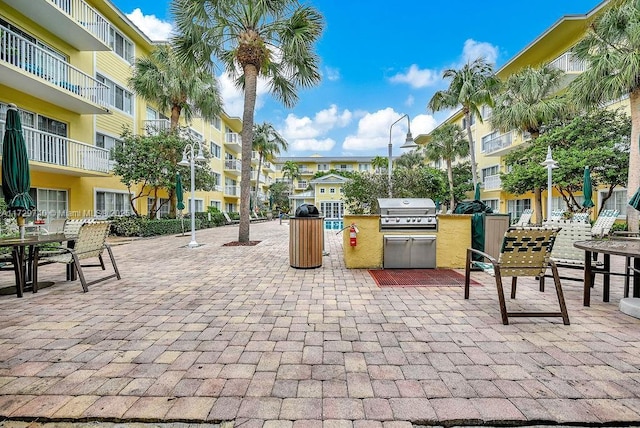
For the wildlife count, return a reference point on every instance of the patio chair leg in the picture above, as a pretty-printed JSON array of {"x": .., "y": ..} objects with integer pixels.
[
  {"x": 514, "y": 284},
  {"x": 102, "y": 262},
  {"x": 113, "y": 260},
  {"x": 76, "y": 262},
  {"x": 563, "y": 305},
  {"x": 467, "y": 275},
  {"x": 542, "y": 282},
  {"x": 503, "y": 305}
]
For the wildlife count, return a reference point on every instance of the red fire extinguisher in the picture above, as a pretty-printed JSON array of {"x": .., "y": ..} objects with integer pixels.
[{"x": 353, "y": 232}]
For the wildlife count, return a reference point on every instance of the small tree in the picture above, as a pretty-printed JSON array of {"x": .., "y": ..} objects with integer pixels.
[{"x": 142, "y": 165}]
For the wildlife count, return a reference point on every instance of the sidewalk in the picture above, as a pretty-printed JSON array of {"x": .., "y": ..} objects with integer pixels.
[{"x": 217, "y": 334}]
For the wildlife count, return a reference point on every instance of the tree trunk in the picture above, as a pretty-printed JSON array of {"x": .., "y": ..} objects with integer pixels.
[
  {"x": 633, "y": 179},
  {"x": 255, "y": 202},
  {"x": 537, "y": 196},
  {"x": 175, "y": 121},
  {"x": 452, "y": 198},
  {"x": 472, "y": 152},
  {"x": 250, "y": 83}
]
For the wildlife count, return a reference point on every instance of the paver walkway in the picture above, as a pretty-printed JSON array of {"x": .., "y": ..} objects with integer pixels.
[{"x": 217, "y": 334}]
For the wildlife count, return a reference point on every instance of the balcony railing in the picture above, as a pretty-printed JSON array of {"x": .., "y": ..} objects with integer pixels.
[
  {"x": 302, "y": 184},
  {"x": 306, "y": 171},
  {"x": 155, "y": 126},
  {"x": 53, "y": 149},
  {"x": 568, "y": 63},
  {"x": 497, "y": 143},
  {"x": 492, "y": 182},
  {"x": 86, "y": 16},
  {"x": 21, "y": 53},
  {"x": 232, "y": 165},
  {"x": 232, "y": 190}
]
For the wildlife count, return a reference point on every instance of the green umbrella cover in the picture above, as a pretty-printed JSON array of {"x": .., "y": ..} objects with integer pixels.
[
  {"x": 16, "y": 180},
  {"x": 587, "y": 189},
  {"x": 477, "y": 194},
  {"x": 179, "y": 192}
]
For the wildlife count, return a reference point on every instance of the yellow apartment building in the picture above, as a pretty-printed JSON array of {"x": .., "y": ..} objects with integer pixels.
[
  {"x": 325, "y": 192},
  {"x": 554, "y": 47},
  {"x": 65, "y": 64}
]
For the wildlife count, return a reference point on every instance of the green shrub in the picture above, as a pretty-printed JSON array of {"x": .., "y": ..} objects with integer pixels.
[
  {"x": 126, "y": 226},
  {"x": 166, "y": 226}
]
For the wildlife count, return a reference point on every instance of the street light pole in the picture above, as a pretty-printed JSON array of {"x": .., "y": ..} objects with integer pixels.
[
  {"x": 550, "y": 164},
  {"x": 188, "y": 159},
  {"x": 408, "y": 144}
]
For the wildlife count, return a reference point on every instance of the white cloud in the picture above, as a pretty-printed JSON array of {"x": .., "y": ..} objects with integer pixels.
[
  {"x": 473, "y": 50},
  {"x": 373, "y": 131},
  {"x": 416, "y": 77},
  {"x": 153, "y": 27},
  {"x": 305, "y": 133},
  {"x": 332, "y": 73},
  {"x": 312, "y": 144},
  {"x": 409, "y": 101}
]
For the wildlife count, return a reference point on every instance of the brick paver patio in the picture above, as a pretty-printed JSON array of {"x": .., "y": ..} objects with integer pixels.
[{"x": 217, "y": 334}]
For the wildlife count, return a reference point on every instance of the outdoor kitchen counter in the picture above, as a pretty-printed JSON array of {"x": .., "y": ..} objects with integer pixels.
[{"x": 453, "y": 237}]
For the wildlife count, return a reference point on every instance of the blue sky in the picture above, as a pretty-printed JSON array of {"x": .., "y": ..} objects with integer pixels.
[{"x": 380, "y": 60}]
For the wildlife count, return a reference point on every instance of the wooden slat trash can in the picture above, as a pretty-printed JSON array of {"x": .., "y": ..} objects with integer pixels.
[{"x": 306, "y": 235}]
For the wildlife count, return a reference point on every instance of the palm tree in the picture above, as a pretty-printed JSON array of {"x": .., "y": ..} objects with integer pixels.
[
  {"x": 526, "y": 102},
  {"x": 471, "y": 87},
  {"x": 410, "y": 160},
  {"x": 447, "y": 142},
  {"x": 273, "y": 40},
  {"x": 178, "y": 86},
  {"x": 611, "y": 48},
  {"x": 379, "y": 163},
  {"x": 268, "y": 143},
  {"x": 290, "y": 170}
]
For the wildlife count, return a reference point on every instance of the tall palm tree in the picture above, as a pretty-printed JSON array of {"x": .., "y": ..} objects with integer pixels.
[
  {"x": 268, "y": 143},
  {"x": 471, "y": 87},
  {"x": 178, "y": 86},
  {"x": 379, "y": 163},
  {"x": 253, "y": 38},
  {"x": 290, "y": 170},
  {"x": 447, "y": 142},
  {"x": 611, "y": 48},
  {"x": 527, "y": 101}
]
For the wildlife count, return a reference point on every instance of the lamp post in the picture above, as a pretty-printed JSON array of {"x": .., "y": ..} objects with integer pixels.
[
  {"x": 408, "y": 144},
  {"x": 188, "y": 159},
  {"x": 550, "y": 164}
]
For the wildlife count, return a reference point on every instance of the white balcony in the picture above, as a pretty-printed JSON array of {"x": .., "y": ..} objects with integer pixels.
[
  {"x": 233, "y": 166},
  {"x": 492, "y": 182},
  {"x": 155, "y": 126},
  {"x": 27, "y": 67},
  {"x": 233, "y": 191},
  {"x": 233, "y": 141},
  {"x": 302, "y": 184},
  {"x": 306, "y": 171},
  {"x": 53, "y": 151},
  {"x": 497, "y": 143},
  {"x": 568, "y": 63},
  {"x": 73, "y": 21}
]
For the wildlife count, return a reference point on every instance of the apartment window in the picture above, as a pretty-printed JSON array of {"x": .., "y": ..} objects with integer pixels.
[
  {"x": 487, "y": 138},
  {"x": 557, "y": 203},
  {"x": 217, "y": 123},
  {"x": 332, "y": 209},
  {"x": 117, "y": 96},
  {"x": 323, "y": 167},
  {"x": 110, "y": 204},
  {"x": 215, "y": 204},
  {"x": 516, "y": 206},
  {"x": 490, "y": 171},
  {"x": 464, "y": 121},
  {"x": 618, "y": 201},
  {"x": 486, "y": 112},
  {"x": 107, "y": 142},
  {"x": 322, "y": 190},
  {"x": 120, "y": 45},
  {"x": 199, "y": 205},
  {"x": 215, "y": 150},
  {"x": 230, "y": 208},
  {"x": 494, "y": 204},
  {"x": 364, "y": 167},
  {"x": 216, "y": 178},
  {"x": 163, "y": 204},
  {"x": 332, "y": 190},
  {"x": 50, "y": 202}
]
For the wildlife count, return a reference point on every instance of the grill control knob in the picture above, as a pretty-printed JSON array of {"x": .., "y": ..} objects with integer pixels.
[
  {"x": 397, "y": 219},
  {"x": 419, "y": 219}
]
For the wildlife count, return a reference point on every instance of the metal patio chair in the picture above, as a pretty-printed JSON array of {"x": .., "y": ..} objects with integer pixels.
[
  {"x": 90, "y": 243},
  {"x": 526, "y": 251}
]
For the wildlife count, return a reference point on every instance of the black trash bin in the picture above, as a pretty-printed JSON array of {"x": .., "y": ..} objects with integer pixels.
[
  {"x": 478, "y": 209},
  {"x": 306, "y": 235}
]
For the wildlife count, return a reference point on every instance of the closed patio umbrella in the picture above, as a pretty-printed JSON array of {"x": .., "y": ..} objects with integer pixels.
[
  {"x": 587, "y": 189},
  {"x": 477, "y": 194},
  {"x": 180, "y": 198},
  {"x": 16, "y": 180}
]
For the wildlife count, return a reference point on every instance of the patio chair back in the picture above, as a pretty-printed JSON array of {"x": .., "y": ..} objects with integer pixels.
[
  {"x": 604, "y": 223},
  {"x": 525, "y": 218}
]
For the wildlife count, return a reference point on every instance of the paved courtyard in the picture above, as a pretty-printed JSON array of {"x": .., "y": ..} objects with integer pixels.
[{"x": 234, "y": 334}]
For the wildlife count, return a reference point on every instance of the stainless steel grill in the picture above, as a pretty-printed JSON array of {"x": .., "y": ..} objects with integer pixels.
[
  {"x": 410, "y": 214},
  {"x": 416, "y": 217}
]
